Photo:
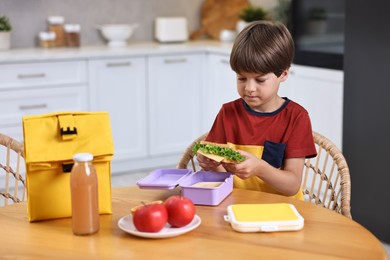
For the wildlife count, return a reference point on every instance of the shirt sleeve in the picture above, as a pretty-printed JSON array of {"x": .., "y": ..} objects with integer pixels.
[{"x": 300, "y": 142}]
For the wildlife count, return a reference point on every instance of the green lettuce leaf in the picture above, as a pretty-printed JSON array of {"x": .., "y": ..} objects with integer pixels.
[{"x": 225, "y": 152}]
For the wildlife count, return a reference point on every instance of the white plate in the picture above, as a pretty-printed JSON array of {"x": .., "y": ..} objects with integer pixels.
[{"x": 126, "y": 224}]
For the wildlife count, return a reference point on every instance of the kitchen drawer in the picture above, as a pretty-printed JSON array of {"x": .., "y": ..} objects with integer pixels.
[
  {"x": 42, "y": 74},
  {"x": 17, "y": 103}
]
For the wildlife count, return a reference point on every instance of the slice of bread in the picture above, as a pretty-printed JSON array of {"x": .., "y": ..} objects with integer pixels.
[
  {"x": 216, "y": 158},
  {"x": 207, "y": 184},
  {"x": 221, "y": 145}
]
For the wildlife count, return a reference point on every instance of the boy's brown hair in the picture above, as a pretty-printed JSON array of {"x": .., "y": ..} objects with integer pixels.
[{"x": 263, "y": 47}]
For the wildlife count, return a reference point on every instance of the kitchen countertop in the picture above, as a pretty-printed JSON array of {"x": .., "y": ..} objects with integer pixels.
[{"x": 94, "y": 52}]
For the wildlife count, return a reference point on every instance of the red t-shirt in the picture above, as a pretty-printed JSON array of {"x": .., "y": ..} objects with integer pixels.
[{"x": 284, "y": 133}]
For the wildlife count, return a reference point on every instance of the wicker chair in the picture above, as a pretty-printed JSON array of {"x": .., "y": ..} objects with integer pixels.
[
  {"x": 325, "y": 181},
  {"x": 11, "y": 152}
]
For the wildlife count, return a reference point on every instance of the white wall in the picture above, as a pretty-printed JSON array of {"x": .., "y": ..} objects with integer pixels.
[
  {"x": 28, "y": 17},
  {"x": 267, "y": 4}
]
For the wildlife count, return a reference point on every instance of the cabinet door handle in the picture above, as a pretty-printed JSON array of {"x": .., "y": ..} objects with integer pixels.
[
  {"x": 36, "y": 106},
  {"x": 118, "y": 64},
  {"x": 225, "y": 61},
  {"x": 180, "y": 60},
  {"x": 28, "y": 76}
]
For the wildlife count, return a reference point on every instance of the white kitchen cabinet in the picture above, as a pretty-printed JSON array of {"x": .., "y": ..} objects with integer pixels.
[
  {"x": 32, "y": 88},
  {"x": 19, "y": 103},
  {"x": 320, "y": 91},
  {"x": 174, "y": 104},
  {"x": 159, "y": 97},
  {"x": 42, "y": 74},
  {"x": 38, "y": 88},
  {"x": 118, "y": 86},
  {"x": 219, "y": 87}
]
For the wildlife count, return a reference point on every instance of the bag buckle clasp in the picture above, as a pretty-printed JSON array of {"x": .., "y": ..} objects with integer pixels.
[{"x": 68, "y": 131}]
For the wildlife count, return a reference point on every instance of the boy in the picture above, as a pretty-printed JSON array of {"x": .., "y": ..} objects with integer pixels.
[{"x": 273, "y": 133}]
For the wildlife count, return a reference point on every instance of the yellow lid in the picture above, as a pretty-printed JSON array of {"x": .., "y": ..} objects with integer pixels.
[
  {"x": 264, "y": 212},
  {"x": 264, "y": 217}
]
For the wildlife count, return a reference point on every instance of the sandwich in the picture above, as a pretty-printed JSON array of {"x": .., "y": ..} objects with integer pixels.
[{"x": 217, "y": 152}]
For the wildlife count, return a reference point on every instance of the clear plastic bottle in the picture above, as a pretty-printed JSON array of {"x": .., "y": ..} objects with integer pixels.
[{"x": 84, "y": 190}]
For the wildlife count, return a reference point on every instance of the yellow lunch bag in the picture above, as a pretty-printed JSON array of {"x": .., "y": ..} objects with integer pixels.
[{"x": 50, "y": 141}]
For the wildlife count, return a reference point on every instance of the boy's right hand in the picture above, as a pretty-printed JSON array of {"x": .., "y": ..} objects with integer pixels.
[{"x": 208, "y": 164}]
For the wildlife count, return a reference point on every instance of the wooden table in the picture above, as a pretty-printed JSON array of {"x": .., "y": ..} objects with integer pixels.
[{"x": 326, "y": 235}]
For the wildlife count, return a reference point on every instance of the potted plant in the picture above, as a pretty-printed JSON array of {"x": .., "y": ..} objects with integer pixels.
[
  {"x": 5, "y": 33},
  {"x": 282, "y": 12},
  {"x": 317, "y": 20},
  {"x": 251, "y": 14}
]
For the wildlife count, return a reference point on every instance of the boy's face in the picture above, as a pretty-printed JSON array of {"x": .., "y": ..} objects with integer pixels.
[{"x": 260, "y": 91}]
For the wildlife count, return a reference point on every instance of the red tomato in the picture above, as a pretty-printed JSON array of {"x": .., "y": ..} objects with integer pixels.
[
  {"x": 150, "y": 217},
  {"x": 180, "y": 209}
]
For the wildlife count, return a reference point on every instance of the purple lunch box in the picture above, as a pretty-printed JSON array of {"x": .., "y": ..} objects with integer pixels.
[{"x": 186, "y": 179}]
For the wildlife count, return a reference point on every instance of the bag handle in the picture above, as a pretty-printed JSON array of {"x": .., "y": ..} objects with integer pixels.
[
  {"x": 68, "y": 130},
  {"x": 67, "y": 167}
]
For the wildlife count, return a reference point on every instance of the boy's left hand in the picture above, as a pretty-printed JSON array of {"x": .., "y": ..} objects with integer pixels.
[{"x": 247, "y": 168}]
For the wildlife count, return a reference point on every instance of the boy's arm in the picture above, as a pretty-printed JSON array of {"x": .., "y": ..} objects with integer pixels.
[{"x": 286, "y": 180}]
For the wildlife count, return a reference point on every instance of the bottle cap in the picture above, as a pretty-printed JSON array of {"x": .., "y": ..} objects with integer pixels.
[
  {"x": 56, "y": 19},
  {"x": 47, "y": 36},
  {"x": 83, "y": 157},
  {"x": 72, "y": 28}
]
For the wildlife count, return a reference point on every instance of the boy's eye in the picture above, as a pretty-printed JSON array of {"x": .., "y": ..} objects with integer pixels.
[
  {"x": 260, "y": 80},
  {"x": 241, "y": 78}
]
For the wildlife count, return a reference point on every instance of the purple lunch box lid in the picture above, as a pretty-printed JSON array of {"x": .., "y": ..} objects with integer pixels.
[{"x": 164, "y": 179}]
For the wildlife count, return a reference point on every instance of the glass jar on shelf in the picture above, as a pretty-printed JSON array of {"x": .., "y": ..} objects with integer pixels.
[
  {"x": 56, "y": 25},
  {"x": 72, "y": 35},
  {"x": 47, "y": 39}
]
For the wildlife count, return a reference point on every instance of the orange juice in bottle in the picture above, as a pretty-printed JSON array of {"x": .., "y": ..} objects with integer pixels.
[{"x": 84, "y": 191}]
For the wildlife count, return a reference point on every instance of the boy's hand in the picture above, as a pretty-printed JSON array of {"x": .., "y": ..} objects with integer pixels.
[
  {"x": 207, "y": 164},
  {"x": 245, "y": 169}
]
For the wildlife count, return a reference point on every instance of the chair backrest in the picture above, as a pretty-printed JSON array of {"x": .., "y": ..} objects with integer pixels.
[
  {"x": 188, "y": 155},
  {"x": 325, "y": 181},
  {"x": 12, "y": 188}
]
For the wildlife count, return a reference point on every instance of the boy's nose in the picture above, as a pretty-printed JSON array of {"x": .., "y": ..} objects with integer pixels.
[{"x": 250, "y": 85}]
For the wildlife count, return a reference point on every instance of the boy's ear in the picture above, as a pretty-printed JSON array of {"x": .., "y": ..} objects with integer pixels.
[{"x": 284, "y": 75}]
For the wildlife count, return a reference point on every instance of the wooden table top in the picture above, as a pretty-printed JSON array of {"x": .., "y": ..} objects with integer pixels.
[{"x": 326, "y": 235}]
